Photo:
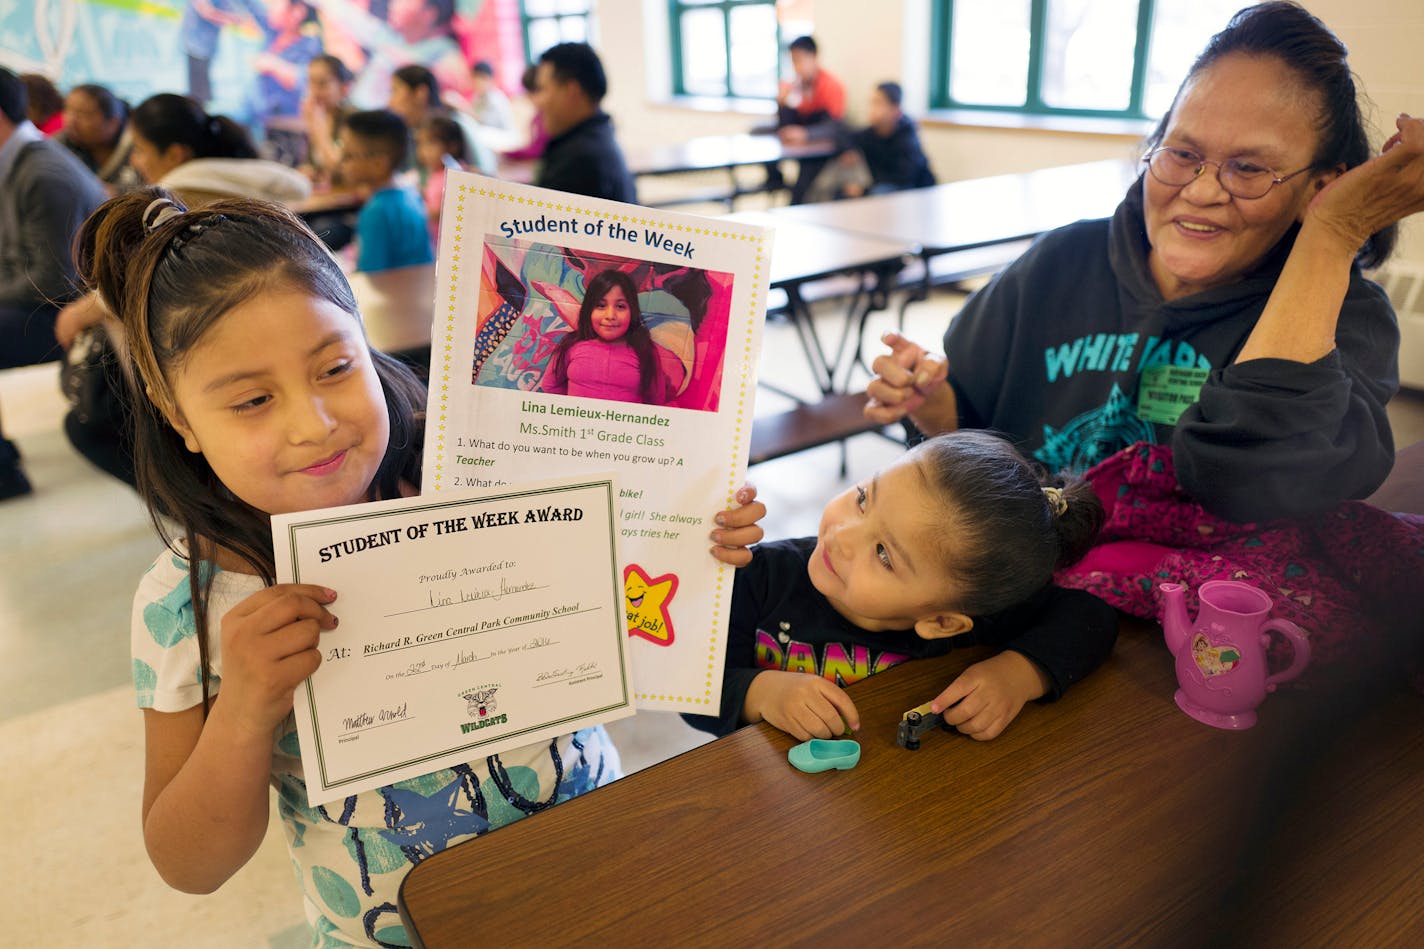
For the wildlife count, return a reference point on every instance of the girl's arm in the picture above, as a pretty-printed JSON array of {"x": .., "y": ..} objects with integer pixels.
[{"x": 205, "y": 795}]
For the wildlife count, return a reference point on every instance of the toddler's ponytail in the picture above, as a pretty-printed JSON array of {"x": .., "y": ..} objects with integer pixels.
[{"x": 1077, "y": 516}]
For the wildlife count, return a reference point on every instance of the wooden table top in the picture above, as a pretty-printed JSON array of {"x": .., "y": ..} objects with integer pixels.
[
  {"x": 979, "y": 211},
  {"x": 1108, "y": 817}
]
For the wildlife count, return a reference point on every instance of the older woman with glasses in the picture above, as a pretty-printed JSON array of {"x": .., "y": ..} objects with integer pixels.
[{"x": 1221, "y": 310}]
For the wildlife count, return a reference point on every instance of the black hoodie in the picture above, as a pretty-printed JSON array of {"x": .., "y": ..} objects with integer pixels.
[{"x": 1051, "y": 353}]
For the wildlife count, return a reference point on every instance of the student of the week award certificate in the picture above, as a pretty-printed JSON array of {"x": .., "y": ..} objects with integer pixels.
[{"x": 575, "y": 335}]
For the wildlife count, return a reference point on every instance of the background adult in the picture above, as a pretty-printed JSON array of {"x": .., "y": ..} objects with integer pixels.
[
  {"x": 96, "y": 131},
  {"x": 324, "y": 105},
  {"x": 582, "y": 156},
  {"x": 200, "y": 157},
  {"x": 45, "y": 195},
  {"x": 1221, "y": 309},
  {"x": 179, "y": 146}
]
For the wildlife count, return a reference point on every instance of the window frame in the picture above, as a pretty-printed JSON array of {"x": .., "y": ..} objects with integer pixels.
[
  {"x": 941, "y": 52},
  {"x": 525, "y": 19},
  {"x": 675, "y": 10}
]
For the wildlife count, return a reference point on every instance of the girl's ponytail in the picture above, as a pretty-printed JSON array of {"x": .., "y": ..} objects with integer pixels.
[
  {"x": 109, "y": 241},
  {"x": 228, "y": 139},
  {"x": 1077, "y": 516},
  {"x": 1011, "y": 525}
]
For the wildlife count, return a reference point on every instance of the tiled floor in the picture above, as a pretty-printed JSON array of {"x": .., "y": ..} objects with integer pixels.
[{"x": 71, "y": 741}]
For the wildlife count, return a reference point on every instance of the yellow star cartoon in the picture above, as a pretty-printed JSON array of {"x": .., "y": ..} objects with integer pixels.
[{"x": 646, "y": 600}]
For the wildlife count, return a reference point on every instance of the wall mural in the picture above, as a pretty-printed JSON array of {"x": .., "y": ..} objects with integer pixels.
[{"x": 247, "y": 58}]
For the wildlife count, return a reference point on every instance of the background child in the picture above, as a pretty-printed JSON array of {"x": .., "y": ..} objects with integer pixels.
[
  {"x": 391, "y": 230},
  {"x": 312, "y": 418},
  {"x": 890, "y": 146},
  {"x": 954, "y": 543},
  {"x": 488, "y": 103},
  {"x": 439, "y": 146},
  {"x": 609, "y": 354}
]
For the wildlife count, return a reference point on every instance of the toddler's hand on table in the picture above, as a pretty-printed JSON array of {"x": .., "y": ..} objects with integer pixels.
[
  {"x": 737, "y": 528},
  {"x": 990, "y": 694},
  {"x": 802, "y": 705},
  {"x": 270, "y": 644}
]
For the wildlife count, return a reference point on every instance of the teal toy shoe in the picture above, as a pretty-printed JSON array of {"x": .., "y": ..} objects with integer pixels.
[{"x": 821, "y": 754}]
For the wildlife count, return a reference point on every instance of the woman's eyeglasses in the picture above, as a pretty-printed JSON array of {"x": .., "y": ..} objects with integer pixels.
[{"x": 1239, "y": 178}]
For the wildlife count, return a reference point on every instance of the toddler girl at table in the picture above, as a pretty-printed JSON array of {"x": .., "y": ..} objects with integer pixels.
[
  {"x": 256, "y": 393},
  {"x": 954, "y": 544},
  {"x": 609, "y": 353}
]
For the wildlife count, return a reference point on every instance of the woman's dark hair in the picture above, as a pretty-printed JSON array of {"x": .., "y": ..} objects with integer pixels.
[
  {"x": 1289, "y": 33},
  {"x": 169, "y": 285},
  {"x": 339, "y": 69},
  {"x": 109, "y": 105},
  {"x": 1011, "y": 526},
  {"x": 418, "y": 77},
  {"x": 448, "y": 133},
  {"x": 169, "y": 119},
  {"x": 637, "y": 337}
]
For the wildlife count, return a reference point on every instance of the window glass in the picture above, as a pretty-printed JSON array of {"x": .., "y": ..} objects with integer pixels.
[
  {"x": 1088, "y": 54},
  {"x": 704, "y": 58},
  {"x": 753, "y": 51},
  {"x": 1179, "y": 33},
  {"x": 989, "y": 52},
  {"x": 729, "y": 47},
  {"x": 542, "y": 35}
]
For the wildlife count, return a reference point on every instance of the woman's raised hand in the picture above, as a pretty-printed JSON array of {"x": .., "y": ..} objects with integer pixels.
[
  {"x": 1376, "y": 194},
  {"x": 270, "y": 644},
  {"x": 910, "y": 381}
]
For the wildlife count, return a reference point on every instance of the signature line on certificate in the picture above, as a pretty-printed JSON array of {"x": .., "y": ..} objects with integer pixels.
[
  {"x": 438, "y": 602},
  {"x": 371, "y": 728}
]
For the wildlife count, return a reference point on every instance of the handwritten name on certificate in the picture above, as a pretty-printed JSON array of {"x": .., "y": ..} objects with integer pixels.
[{"x": 469, "y": 624}]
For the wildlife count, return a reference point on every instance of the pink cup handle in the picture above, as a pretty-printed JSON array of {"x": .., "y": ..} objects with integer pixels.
[{"x": 1300, "y": 649}]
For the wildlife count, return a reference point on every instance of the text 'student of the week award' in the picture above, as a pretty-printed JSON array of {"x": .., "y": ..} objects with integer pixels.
[
  {"x": 470, "y": 623},
  {"x": 578, "y": 335}
]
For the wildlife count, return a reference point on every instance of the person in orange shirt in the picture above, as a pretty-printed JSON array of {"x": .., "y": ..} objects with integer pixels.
[{"x": 810, "y": 108}]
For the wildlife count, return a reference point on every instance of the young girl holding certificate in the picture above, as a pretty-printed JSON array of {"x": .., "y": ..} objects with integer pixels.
[
  {"x": 955, "y": 543},
  {"x": 256, "y": 393}
]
